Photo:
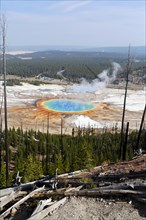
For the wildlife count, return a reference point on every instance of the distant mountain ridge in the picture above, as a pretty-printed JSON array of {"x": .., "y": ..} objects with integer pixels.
[{"x": 137, "y": 50}]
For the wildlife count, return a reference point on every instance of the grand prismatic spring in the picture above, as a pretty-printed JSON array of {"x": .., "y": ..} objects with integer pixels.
[{"x": 65, "y": 106}]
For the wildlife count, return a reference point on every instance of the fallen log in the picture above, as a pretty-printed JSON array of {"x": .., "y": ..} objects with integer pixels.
[
  {"x": 97, "y": 192},
  {"x": 7, "y": 191},
  {"x": 22, "y": 187},
  {"x": 6, "y": 199},
  {"x": 111, "y": 192},
  {"x": 17, "y": 204},
  {"x": 136, "y": 185},
  {"x": 42, "y": 214},
  {"x": 120, "y": 177},
  {"x": 41, "y": 206}
]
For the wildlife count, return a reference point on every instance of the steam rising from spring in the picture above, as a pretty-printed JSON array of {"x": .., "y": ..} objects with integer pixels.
[{"x": 106, "y": 77}]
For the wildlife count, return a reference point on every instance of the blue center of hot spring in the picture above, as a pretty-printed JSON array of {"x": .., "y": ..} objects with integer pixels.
[{"x": 64, "y": 105}]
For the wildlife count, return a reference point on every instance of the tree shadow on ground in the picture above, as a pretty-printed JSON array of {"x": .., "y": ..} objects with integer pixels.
[{"x": 141, "y": 207}]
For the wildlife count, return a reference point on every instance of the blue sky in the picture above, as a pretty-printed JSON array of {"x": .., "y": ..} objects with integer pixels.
[{"x": 87, "y": 23}]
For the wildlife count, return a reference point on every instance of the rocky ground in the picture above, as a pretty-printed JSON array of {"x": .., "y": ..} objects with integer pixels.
[
  {"x": 81, "y": 208},
  {"x": 98, "y": 209}
]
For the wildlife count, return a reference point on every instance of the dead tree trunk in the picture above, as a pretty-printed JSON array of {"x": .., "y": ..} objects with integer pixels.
[
  {"x": 128, "y": 70},
  {"x": 3, "y": 29},
  {"x": 125, "y": 143},
  {"x": 140, "y": 129}
]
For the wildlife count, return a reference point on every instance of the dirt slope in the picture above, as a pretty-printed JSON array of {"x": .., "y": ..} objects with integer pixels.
[{"x": 95, "y": 209}]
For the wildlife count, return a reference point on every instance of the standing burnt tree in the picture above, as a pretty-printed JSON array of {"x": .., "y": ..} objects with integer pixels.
[
  {"x": 3, "y": 32},
  {"x": 127, "y": 72}
]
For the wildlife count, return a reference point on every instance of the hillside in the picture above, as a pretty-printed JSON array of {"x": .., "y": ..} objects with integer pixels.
[
  {"x": 109, "y": 191},
  {"x": 72, "y": 66}
]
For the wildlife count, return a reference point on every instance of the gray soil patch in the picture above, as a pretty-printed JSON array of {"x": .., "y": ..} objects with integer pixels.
[{"x": 98, "y": 209}]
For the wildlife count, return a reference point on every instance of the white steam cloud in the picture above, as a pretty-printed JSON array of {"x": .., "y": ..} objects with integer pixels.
[{"x": 106, "y": 77}]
